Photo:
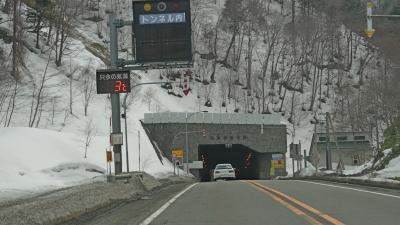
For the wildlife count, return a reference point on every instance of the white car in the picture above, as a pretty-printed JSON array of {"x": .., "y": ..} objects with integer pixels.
[{"x": 224, "y": 171}]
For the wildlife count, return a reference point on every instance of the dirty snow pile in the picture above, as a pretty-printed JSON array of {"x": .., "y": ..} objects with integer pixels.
[{"x": 390, "y": 173}]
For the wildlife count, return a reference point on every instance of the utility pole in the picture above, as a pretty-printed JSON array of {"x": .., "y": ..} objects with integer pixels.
[{"x": 115, "y": 101}]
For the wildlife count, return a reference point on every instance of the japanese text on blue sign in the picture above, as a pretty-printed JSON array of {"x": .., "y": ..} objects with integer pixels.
[{"x": 162, "y": 18}]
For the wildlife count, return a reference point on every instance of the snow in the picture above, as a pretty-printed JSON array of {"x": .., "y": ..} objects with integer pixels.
[
  {"x": 391, "y": 171},
  {"x": 37, "y": 160},
  {"x": 354, "y": 170},
  {"x": 307, "y": 172}
]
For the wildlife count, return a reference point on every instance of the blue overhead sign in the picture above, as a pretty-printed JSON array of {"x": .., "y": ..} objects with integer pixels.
[{"x": 166, "y": 18}]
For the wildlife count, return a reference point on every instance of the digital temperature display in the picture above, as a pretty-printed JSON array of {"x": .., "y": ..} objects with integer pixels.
[{"x": 113, "y": 81}]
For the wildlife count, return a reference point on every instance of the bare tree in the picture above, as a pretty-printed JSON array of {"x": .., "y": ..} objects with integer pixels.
[
  {"x": 88, "y": 89},
  {"x": 66, "y": 12},
  {"x": 148, "y": 96},
  {"x": 90, "y": 133},
  {"x": 18, "y": 51},
  {"x": 38, "y": 97}
]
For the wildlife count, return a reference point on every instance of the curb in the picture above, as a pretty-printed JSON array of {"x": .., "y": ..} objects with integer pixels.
[{"x": 369, "y": 183}]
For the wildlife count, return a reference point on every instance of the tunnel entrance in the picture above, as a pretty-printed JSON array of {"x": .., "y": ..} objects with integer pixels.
[{"x": 242, "y": 158}]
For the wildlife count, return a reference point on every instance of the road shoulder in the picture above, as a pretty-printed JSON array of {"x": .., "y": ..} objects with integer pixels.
[{"x": 80, "y": 201}]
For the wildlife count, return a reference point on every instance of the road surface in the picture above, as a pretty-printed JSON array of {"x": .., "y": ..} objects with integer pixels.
[
  {"x": 269, "y": 202},
  {"x": 280, "y": 202}
]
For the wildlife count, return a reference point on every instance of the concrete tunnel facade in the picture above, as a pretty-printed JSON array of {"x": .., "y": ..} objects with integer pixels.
[{"x": 249, "y": 142}]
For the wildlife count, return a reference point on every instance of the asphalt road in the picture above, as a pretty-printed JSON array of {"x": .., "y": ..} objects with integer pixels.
[
  {"x": 256, "y": 203},
  {"x": 281, "y": 202}
]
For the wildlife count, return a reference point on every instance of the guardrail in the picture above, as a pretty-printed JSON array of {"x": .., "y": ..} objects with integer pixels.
[{"x": 349, "y": 180}]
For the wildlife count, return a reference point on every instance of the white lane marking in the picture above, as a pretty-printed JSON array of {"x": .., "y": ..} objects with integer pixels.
[
  {"x": 353, "y": 189},
  {"x": 165, "y": 206}
]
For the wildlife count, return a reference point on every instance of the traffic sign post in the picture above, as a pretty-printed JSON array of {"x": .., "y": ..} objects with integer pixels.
[
  {"x": 162, "y": 39},
  {"x": 115, "y": 100},
  {"x": 177, "y": 158},
  {"x": 177, "y": 153},
  {"x": 295, "y": 154}
]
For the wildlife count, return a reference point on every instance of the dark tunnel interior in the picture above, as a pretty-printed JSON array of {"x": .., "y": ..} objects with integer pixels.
[{"x": 242, "y": 158}]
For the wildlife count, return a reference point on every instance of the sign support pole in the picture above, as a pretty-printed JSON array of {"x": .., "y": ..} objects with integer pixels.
[
  {"x": 293, "y": 166},
  {"x": 305, "y": 159},
  {"x": 115, "y": 100}
]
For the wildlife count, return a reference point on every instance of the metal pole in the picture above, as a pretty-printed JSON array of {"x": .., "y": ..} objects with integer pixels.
[
  {"x": 293, "y": 165},
  {"x": 328, "y": 139},
  {"x": 298, "y": 164},
  {"x": 186, "y": 145},
  {"x": 115, "y": 101},
  {"x": 139, "y": 147},
  {"x": 305, "y": 159},
  {"x": 299, "y": 160},
  {"x": 173, "y": 162},
  {"x": 126, "y": 135}
]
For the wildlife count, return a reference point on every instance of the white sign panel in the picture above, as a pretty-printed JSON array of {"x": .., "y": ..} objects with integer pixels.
[
  {"x": 117, "y": 139},
  {"x": 277, "y": 156}
]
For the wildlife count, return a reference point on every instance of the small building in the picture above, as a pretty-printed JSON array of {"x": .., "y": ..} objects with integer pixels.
[{"x": 353, "y": 148}]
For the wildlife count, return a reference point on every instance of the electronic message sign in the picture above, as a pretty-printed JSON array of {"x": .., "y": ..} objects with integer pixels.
[
  {"x": 113, "y": 81},
  {"x": 162, "y": 31}
]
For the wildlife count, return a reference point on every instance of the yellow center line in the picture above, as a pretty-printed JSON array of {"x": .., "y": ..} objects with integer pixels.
[
  {"x": 326, "y": 217},
  {"x": 289, "y": 206}
]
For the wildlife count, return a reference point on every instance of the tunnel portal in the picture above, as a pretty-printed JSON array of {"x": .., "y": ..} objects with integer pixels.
[
  {"x": 251, "y": 143},
  {"x": 242, "y": 158}
]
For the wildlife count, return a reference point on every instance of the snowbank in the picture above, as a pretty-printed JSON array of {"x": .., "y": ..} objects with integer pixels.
[{"x": 36, "y": 160}]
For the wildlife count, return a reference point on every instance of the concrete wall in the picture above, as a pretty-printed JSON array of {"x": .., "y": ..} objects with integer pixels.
[
  {"x": 269, "y": 139},
  {"x": 345, "y": 148},
  {"x": 347, "y": 157}
]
